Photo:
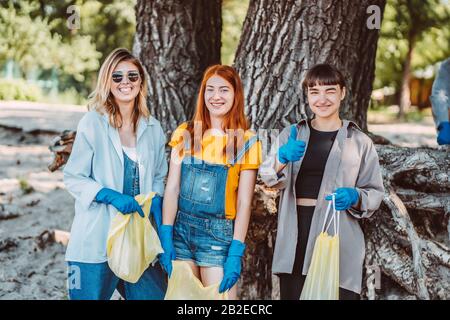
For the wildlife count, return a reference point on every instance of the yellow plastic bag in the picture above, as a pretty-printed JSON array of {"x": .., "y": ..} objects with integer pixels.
[
  {"x": 132, "y": 242},
  {"x": 184, "y": 285},
  {"x": 322, "y": 281}
]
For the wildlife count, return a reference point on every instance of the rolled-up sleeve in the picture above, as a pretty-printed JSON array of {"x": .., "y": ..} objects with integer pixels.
[
  {"x": 267, "y": 170},
  {"x": 78, "y": 169},
  {"x": 369, "y": 185}
]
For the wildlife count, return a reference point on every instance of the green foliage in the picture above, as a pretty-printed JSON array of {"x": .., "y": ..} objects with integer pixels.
[
  {"x": 35, "y": 34},
  {"x": 423, "y": 25},
  {"x": 31, "y": 42},
  {"x": 19, "y": 90},
  {"x": 233, "y": 15}
]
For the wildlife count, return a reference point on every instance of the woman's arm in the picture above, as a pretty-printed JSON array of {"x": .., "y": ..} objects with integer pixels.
[
  {"x": 369, "y": 185},
  {"x": 272, "y": 172},
  {"x": 160, "y": 165},
  {"x": 246, "y": 189},
  {"x": 77, "y": 172},
  {"x": 170, "y": 204}
]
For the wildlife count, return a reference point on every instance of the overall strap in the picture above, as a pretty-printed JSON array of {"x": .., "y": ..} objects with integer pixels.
[{"x": 248, "y": 144}]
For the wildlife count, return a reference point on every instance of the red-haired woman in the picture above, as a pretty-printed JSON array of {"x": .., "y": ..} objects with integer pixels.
[{"x": 209, "y": 190}]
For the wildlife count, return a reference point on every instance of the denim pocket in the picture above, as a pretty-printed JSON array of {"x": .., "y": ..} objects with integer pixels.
[
  {"x": 198, "y": 185},
  {"x": 222, "y": 230}
]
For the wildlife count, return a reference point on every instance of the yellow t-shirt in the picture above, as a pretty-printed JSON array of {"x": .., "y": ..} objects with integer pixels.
[{"x": 212, "y": 151}]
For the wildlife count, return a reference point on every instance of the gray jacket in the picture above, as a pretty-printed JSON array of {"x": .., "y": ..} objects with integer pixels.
[{"x": 352, "y": 162}]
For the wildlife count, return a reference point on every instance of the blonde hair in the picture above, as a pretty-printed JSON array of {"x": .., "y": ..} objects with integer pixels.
[{"x": 102, "y": 100}]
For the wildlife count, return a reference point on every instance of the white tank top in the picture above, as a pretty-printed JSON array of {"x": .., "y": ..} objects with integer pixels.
[{"x": 130, "y": 152}]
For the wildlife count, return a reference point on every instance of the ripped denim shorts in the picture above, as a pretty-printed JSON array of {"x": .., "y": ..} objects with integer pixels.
[{"x": 201, "y": 240}]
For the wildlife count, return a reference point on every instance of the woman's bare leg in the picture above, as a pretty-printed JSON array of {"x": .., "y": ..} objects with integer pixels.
[
  {"x": 213, "y": 275},
  {"x": 195, "y": 268}
]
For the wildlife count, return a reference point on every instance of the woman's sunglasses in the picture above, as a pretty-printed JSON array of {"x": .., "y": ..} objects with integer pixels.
[{"x": 117, "y": 76}]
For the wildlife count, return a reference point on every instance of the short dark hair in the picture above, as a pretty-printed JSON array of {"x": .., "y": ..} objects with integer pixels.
[{"x": 323, "y": 74}]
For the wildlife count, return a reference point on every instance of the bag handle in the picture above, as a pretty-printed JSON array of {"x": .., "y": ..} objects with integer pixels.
[{"x": 334, "y": 218}]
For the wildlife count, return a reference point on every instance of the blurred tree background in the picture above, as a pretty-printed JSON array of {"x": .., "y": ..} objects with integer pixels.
[
  {"x": 37, "y": 44},
  {"x": 415, "y": 36},
  {"x": 45, "y": 60}
]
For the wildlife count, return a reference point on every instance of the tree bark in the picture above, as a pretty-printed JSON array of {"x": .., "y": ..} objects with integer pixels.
[
  {"x": 408, "y": 237},
  {"x": 176, "y": 41},
  {"x": 282, "y": 39}
]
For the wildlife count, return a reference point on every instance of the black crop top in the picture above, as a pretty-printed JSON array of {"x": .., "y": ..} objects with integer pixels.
[{"x": 310, "y": 175}]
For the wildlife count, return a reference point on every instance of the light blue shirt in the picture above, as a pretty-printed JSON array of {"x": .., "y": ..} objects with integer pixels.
[
  {"x": 96, "y": 161},
  {"x": 440, "y": 94}
]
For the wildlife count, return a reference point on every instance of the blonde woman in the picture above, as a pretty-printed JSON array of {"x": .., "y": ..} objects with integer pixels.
[{"x": 118, "y": 153}]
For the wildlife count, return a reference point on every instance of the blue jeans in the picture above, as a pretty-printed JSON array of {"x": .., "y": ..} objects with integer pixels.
[
  {"x": 202, "y": 234},
  {"x": 96, "y": 281}
]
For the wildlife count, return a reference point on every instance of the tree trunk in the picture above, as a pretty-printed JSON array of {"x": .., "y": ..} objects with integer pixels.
[
  {"x": 405, "y": 92},
  {"x": 282, "y": 39},
  {"x": 176, "y": 41}
]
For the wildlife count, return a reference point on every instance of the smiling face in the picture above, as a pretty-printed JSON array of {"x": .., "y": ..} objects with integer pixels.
[
  {"x": 125, "y": 91},
  {"x": 219, "y": 96},
  {"x": 324, "y": 100}
]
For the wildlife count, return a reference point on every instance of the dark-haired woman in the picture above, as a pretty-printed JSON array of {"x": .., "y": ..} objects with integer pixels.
[{"x": 310, "y": 160}]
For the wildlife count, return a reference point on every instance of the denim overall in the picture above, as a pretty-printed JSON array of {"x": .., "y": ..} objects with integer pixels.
[
  {"x": 98, "y": 282},
  {"x": 202, "y": 234}
]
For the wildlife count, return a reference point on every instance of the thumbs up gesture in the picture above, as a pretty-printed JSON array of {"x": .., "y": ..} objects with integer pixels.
[{"x": 293, "y": 150}]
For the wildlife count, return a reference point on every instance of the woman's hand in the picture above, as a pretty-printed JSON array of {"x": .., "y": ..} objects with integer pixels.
[
  {"x": 122, "y": 202},
  {"x": 232, "y": 266},
  {"x": 165, "y": 258},
  {"x": 293, "y": 150},
  {"x": 344, "y": 198}
]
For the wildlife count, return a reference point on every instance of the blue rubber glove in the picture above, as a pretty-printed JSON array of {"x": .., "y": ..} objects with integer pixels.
[
  {"x": 293, "y": 150},
  {"x": 232, "y": 266},
  {"x": 156, "y": 211},
  {"x": 124, "y": 203},
  {"x": 344, "y": 198},
  {"x": 443, "y": 133},
  {"x": 165, "y": 258}
]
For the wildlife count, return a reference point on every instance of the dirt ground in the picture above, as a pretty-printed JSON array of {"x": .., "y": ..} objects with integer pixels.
[
  {"x": 34, "y": 202},
  {"x": 32, "y": 267}
]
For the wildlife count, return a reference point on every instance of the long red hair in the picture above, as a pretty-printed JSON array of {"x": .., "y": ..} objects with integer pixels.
[{"x": 235, "y": 122}]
